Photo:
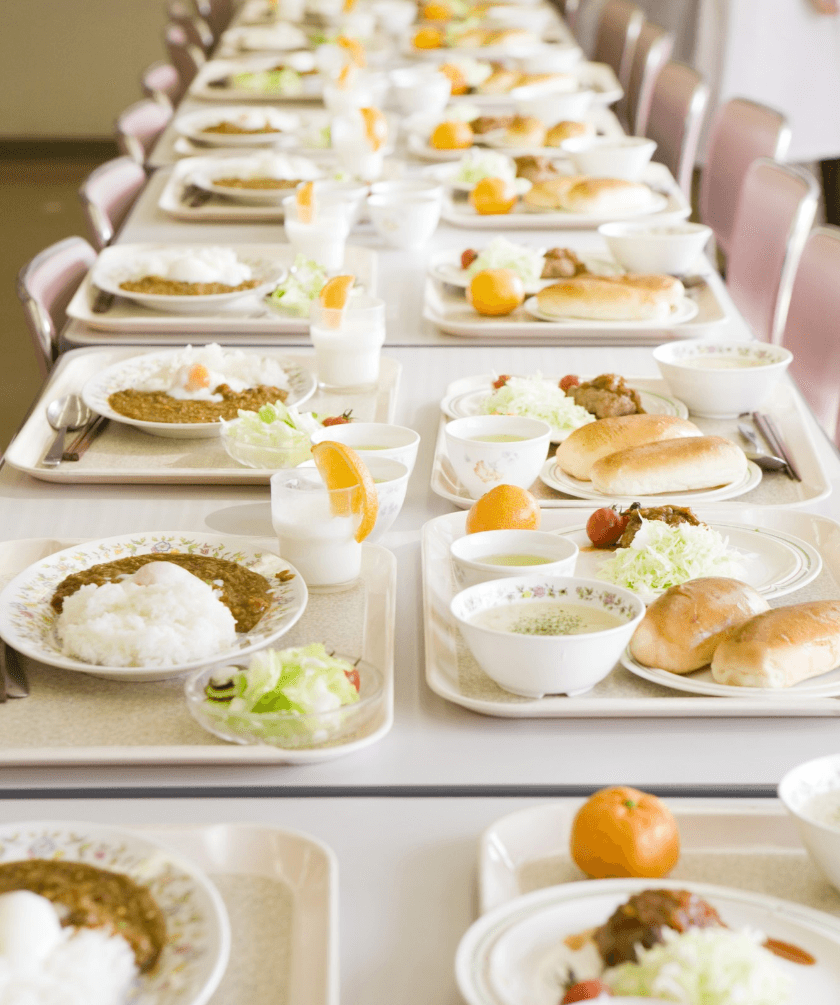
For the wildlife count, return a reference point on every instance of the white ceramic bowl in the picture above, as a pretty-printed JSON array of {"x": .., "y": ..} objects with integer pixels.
[
  {"x": 402, "y": 222},
  {"x": 481, "y": 465},
  {"x": 391, "y": 478},
  {"x": 536, "y": 665},
  {"x": 349, "y": 196},
  {"x": 671, "y": 248},
  {"x": 467, "y": 552},
  {"x": 395, "y": 17},
  {"x": 420, "y": 89},
  {"x": 796, "y": 790},
  {"x": 409, "y": 189},
  {"x": 380, "y": 439},
  {"x": 555, "y": 58},
  {"x": 701, "y": 374},
  {"x": 554, "y": 106},
  {"x": 610, "y": 156}
]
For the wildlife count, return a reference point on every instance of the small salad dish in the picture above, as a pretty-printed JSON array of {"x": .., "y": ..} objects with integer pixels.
[
  {"x": 538, "y": 635},
  {"x": 474, "y": 166},
  {"x": 275, "y": 437},
  {"x": 671, "y": 248},
  {"x": 722, "y": 379},
  {"x": 380, "y": 439},
  {"x": 291, "y": 698},
  {"x": 810, "y": 792},
  {"x": 491, "y": 450},
  {"x": 498, "y": 554},
  {"x": 610, "y": 156}
]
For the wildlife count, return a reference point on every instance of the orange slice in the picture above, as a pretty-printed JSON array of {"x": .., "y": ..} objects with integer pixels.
[
  {"x": 376, "y": 127},
  {"x": 354, "y": 49},
  {"x": 348, "y": 6},
  {"x": 333, "y": 295},
  {"x": 305, "y": 199},
  {"x": 457, "y": 79},
  {"x": 342, "y": 468},
  {"x": 346, "y": 76}
]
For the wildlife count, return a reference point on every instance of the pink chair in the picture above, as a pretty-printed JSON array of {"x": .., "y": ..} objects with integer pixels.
[
  {"x": 775, "y": 213},
  {"x": 813, "y": 321},
  {"x": 653, "y": 50},
  {"x": 217, "y": 13},
  {"x": 107, "y": 195},
  {"x": 615, "y": 43},
  {"x": 46, "y": 286},
  {"x": 139, "y": 126},
  {"x": 677, "y": 106},
  {"x": 184, "y": 56},
  {"x": 741, "y": 132},
  {"x": 568, "y": 11},
  {"x": 161, "y": 82},
  {"x": 196, "y": 29}
]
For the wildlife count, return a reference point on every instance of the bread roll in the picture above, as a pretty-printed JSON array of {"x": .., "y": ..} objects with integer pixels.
[
  {"x": 588, "y": 444},
  {"x": 781, "y": 647},
  {"x": 684, "y": 626},
  {"x": 550, "y": 194},
  {"x": 471, "y": 39},
  {"x": 509, "y": 36},
  {"x": 612, "y": 298},
  {"x": 606, "y": 195},
  {"x": 700, "y": 462},
  {"x": 555, "y": 83},
  {"x": 525, "y": 131},
  {"x": 499, "y": 82},
  {"x": 567, "y": 130}
]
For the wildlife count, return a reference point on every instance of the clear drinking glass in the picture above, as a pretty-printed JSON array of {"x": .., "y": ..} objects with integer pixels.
[
  {"x": 322, "y": 240},
  {"x": 348, "y": 342},
  {"x": 316, "y": 528}
]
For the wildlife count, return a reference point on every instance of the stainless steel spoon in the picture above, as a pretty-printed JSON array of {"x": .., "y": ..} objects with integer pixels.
[
  {"x": 69, "y": 412},
  {"x": 769, "y": 462}
]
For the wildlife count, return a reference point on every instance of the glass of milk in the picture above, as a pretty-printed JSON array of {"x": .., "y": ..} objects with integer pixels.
[
  {"x": 348, "y": 342},
  {"x": 323, "y": 239},
  {"x": 316, "y": 528}
]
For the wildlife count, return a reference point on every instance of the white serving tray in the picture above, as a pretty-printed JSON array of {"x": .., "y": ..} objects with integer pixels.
[
  {"x": 458, "y": 211},
  {"x": 280, "y": 888},
  {"x": 774, "y": 490},
  {"x": 241, "y": 322},
  {"x": 452, "y": 673},
  {"x": 123, "y": 454},
  {"x": 750, "y": 844},
  {"x": 73, "y": 719},
  {"x": 600, "y": 77}
]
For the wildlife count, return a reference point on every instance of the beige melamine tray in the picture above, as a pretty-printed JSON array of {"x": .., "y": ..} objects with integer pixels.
[
  {"x": 72, "y": 718},
  {"x": 124, "y": 454},
  {"x": 452, "y": 672}
]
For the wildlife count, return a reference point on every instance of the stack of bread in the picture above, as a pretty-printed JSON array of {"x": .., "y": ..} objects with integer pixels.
[
  {"x": 642, "y": 455},
  {"x": 727, "y": 624}
]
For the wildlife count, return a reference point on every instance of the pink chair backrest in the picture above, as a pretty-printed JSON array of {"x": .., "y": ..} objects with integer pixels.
[
  {"x": 139, "y": 127},
  {"x": 46, "y": 286},
  {"x": 568, "y": 10},
  {"x": 184, "y": 56},
  {"x": 618, "y": 30},
  {"x": 742, "y": 131},
  {"x": 196, "y": 29},
  {"x": 775, "y": 213},
  {"x": 107, "y": 195},
  {"x": 812, "y": 324},
  {"x": 218, "y": 14},
  {"x": 162, "y": 82},
  {"x": 653, "y": 50},
  {"x": 677, "y": 106}
]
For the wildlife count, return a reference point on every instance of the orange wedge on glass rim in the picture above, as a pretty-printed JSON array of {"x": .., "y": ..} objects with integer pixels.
[
  {"x": 348, "y": 6},
  {"x": 376, "y": 127},
  {"x": 354, "y": 49},
  {"x": 346, "y": 77},
  {"x": 342, "y": 468},
  {"x": 305, "y": 200},
  {"x": 333, "y": 298}
]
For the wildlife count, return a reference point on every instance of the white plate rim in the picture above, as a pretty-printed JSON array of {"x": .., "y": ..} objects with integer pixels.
[{"x": 187, "y": 123}]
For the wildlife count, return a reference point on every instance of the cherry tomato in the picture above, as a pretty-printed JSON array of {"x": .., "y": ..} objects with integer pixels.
[
  {"x": 353, "y": 677},
  {"x": 337, "y": 420},
  {"x": 468, "y": 257},
  {"x": 570, "y": 380},
  {"x": 606, "y": 526},
  {"x": 583, "y": 991},
  {"x": 505, "y": 377}
]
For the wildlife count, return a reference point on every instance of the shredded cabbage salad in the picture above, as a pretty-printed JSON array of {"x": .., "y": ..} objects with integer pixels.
[
  {"x": 537, "y": 398},
  {"x": 660, "y": 557},
  {"x": 305, "y": 281},
  {"x": 501, "y": 253},
  {"x": 305, "y": 682},
  {"x": 285, "y": 81},
  {"x": 274, "y": 428},
  {"x": 705, "y": 966},
  {"x": 478, "y": 164}
]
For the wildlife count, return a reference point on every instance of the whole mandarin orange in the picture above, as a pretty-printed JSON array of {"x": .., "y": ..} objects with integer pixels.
[
  {"x": 428, "y": 38},
  {"x": 506, "y": 507},
  {"x": 437, "y": 11},
  {"x": 451, "y": 135},
  {"x": 493, "y": 195},
  {"x": 622, "y": 832},
  {"x": 496, "y": 291}
]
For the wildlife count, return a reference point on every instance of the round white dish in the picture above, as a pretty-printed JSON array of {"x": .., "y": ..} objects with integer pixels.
[
  {"x": 469, "y": 555},
  {"x": 445, "y": 266},
  {"x": 557, "y": 479},
  {"x": 224, "y": 70},
  {"x": 482, "y": 463},
  {"x": 610, "y": 156},
  {"x": 775, "y": 563},
  {"x": 299, "y": 169},
  {"x": 195, "y": 957},
  {"x": 377, "y": 439},
  {"x": 467, "y": 403},
  {"x": 192, "y": 124},
  {"x": 685, "y": 310},
  {"x": 504, "y": 957},
  {"x": 646, "y": 247},
  {"x": 123, "y": 374},
  {"x": 27, "y": 619},
  {"x": 464, "y": 214},
  {"x": 797, "y": 789}
]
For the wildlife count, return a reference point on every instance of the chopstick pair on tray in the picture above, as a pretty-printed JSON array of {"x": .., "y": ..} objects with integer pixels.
[
  {"x": 84, "y": 439},
  {"x": 772, "y": 437},
  {"x": 13, "y": 682}
]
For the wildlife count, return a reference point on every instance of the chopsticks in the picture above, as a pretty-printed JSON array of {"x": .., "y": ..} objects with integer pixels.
[
  {"x": 769, "y": 430},
  {"x": 84, "y": 439}
]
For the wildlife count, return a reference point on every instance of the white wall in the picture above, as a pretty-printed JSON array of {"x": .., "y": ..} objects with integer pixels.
[{"x": 69, "y": 67}]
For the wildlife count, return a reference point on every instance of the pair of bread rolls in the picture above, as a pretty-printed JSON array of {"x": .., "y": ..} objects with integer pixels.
[
  {"x": 581, "y": 194},
  {"x": 727, "y": 624},
  {"x": 630, "y": 297}
]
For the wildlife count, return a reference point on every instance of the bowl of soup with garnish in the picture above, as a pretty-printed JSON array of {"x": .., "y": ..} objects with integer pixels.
[
  {"x": 722, "y": 379},
  {"x": 499, "y": 554},
  {"x": 536, "y": 635},
  {"x": 489, "y": 450},
  {"x": 810, "y": 792}
]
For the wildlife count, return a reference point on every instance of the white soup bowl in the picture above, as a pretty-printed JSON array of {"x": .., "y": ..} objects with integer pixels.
[
  {"x": 609, "y": 156},
  {"x": 672, "y": 248},
  {"x": 481, "y": 464},
  {"x": 796, "y": 790},
  {"x": 469, "y": 554},
  {"x": 377, "y": 439}
]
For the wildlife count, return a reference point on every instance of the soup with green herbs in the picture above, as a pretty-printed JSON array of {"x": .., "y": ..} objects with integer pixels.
[{"x": 546, "y": 617}]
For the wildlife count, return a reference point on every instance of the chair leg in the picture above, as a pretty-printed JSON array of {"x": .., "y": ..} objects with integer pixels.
[{"x": 830, "y": 171}]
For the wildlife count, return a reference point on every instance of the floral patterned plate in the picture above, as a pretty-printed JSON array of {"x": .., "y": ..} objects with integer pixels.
[
  {"x": 27, "y": 620},
  {"x": 198, "y": 932}
]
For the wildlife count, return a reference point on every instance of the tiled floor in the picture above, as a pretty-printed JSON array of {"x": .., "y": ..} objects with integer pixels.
[{"x": 38, "y": 206}]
